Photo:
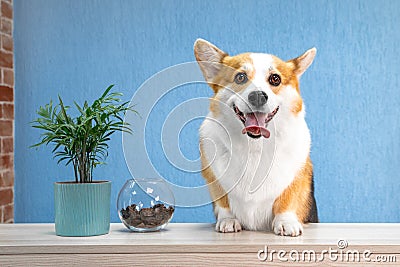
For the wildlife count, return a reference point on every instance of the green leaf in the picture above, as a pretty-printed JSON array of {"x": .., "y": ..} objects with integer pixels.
[
  {"x": 79, "y": 108},
  {"x": 63, "y": 110},
  {"x": 106, "y": 91}
]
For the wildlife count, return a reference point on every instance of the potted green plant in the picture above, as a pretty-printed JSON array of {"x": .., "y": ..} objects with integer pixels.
[{"x": 82, "y": 206}]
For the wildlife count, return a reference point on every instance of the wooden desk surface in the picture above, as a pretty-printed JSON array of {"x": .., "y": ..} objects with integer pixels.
[{"x": 193, "y": 244}]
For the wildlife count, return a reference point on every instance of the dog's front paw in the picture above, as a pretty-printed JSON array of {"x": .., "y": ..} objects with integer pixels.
[
  {"x": 287, "y": 224},
  {"x": 228, "y": 225}
]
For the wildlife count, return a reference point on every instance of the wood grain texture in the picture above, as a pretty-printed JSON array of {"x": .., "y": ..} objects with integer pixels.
[
  {"x": 158, "y": 259},
  {"x": 184, "y": 244}
]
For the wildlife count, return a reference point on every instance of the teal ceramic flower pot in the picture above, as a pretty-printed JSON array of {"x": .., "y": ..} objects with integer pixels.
[{"x": 82, "y": 209}]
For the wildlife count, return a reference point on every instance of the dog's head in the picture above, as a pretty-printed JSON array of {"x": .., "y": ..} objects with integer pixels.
[{"x": 256, "y": 87}]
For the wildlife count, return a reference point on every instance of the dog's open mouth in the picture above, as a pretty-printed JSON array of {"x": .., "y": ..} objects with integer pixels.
[{"x": 255, "y": 123}]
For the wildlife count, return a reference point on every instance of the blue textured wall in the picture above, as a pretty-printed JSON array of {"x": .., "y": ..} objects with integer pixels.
[{"x": 352, "y": 91}]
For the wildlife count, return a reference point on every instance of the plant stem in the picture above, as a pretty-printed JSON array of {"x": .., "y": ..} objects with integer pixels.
[
  {"x": 75, "y": 170},
  {"x": 81, "y": 169},
  {"x": 87, "y": 168}
]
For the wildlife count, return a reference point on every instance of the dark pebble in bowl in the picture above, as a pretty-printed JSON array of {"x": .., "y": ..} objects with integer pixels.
[{"x": 151, "y": 217}]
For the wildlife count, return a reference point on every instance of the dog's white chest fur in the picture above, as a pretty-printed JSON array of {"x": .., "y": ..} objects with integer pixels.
[{"x": 242, "y": 164}]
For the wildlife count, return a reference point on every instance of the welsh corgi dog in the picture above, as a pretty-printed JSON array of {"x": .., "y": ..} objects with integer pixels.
[{"x": 255, "y": 142}]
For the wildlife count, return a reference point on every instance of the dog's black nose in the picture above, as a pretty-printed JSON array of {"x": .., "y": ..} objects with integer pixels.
[{"x": 258, "y": 98}]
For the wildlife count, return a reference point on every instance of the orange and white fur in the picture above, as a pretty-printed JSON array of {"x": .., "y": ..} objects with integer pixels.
[{"x": 255, "y": 143}]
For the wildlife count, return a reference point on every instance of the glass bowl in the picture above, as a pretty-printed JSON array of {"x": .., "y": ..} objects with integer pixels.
[{"x": 145, "y": 204}]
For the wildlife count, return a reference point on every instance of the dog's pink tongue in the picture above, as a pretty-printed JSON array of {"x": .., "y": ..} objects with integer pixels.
[{"x": 255, "y": 124}]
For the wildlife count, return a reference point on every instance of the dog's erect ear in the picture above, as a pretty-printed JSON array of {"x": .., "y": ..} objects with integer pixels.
[
  {"x": 304, "y": 61},
  {"x": 209, "y": 58}
]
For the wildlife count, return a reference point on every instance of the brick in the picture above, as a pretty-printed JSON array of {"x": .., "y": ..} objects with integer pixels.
[
  {"x": 6, "y": 163},
  {"x": 6, "y": 10},
  {"x": 7, "y": 42},
  {"x": 6, "y": 128},
  {"x": 1, "y": 214},
  {"x": 8, "y": 213},
  {"x": 6, "y": 26},
  {"x": 7, "y": 179},
  {"x": 6, "y": 196},
  {"x": 7, "y": 145},
  {"x": 8, "y": 111},
  {"x": 6, "y": 93},
  {"x": 8, "y": 77},
  {"x": 6, "y": 60}
]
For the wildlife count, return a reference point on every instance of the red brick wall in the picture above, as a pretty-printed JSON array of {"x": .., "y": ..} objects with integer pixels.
[{"x": 6, "y": 113}]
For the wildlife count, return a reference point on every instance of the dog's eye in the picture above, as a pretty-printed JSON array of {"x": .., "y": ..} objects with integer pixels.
[
  {"x": 274, "y": 79},
  {"x": 241, "y": 78}
]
